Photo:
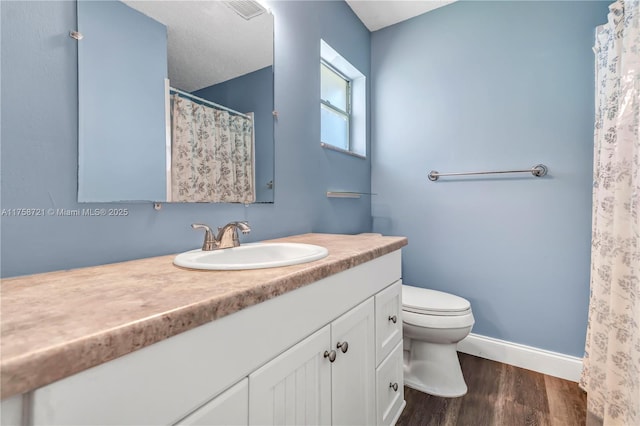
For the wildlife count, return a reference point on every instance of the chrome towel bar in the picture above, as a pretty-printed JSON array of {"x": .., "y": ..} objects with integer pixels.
[{"x": 538, "y": 170}]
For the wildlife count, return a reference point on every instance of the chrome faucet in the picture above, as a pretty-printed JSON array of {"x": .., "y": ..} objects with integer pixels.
[{"x": 227, "y": 235}]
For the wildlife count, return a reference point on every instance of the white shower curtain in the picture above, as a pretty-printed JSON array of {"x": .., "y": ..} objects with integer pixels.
[
  {"x": 611, "y": 374},
  {"x": 212, "y": 154}
]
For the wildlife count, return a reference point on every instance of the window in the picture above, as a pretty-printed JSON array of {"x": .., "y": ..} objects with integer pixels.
[
  {"x": 335, "y": 106},
  {"x": 342, "y": 104}
]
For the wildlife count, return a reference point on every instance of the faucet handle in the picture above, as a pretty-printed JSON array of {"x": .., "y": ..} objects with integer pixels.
[{"x": 209, "y": 240}]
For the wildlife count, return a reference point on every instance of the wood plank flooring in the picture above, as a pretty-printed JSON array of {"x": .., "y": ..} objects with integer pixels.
[{"x": 499, "y": 395}]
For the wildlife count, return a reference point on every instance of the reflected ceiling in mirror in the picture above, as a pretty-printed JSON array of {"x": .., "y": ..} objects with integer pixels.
[
  {"x": 209, "y": 51},
  {"x": 209, "y": 42}
]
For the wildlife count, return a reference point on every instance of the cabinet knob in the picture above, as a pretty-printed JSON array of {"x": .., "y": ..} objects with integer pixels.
[
  {"x": 394, "y": 386},
  {"x": 343, "y": 346},
  {"x": 331, "y": 355},
  {"x": 393, "y": 319}
]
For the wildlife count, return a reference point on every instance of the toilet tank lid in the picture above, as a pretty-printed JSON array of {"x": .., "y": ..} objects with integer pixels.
[{"x": 422, "y": 299}]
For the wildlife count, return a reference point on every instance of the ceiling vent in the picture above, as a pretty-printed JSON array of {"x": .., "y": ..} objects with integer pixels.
[{"x": 248, "y": 9}]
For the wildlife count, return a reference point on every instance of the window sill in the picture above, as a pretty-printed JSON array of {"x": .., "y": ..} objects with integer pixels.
[{"x": 344, "y": 151}]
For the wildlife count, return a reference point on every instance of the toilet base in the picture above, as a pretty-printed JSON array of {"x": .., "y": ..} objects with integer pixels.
[{"x": 434, "y": 369}]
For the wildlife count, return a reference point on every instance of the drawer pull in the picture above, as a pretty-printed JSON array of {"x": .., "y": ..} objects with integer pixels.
[
  {"x": 394, "y": 386},
  {"x": 331, "y": 355},
  {"x": 344, "y": 346},
  {"x": 393, "y": 319}
]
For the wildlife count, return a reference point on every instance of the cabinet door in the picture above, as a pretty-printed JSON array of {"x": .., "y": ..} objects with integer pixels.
[
  {"x": 229, "y": 408},
  {"x": 295, "y": 387},
  {"x": 353, "y": 372},
  {"x": 388, "y": 320}
]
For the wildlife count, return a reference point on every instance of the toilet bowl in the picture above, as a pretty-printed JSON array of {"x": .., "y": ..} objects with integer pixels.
[{"x": 433, "y": 322}]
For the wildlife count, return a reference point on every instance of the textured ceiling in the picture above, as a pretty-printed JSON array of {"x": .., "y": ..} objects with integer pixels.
[
  {"x": 208, "y": 42},
  {"x": 377, "y": 14}
]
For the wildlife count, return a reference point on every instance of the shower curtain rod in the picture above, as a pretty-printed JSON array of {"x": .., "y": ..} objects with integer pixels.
[
  {"x": 205, "y": 101},
  {"x": 538, "y": 170}
]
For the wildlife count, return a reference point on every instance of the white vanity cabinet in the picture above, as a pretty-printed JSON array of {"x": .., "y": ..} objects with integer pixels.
[
  {"x": 264, "y": 364},
  {"x": 328, "y": 378}
]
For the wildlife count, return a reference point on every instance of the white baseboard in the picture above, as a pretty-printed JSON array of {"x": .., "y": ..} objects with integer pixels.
[{"x": 551, "y": 363}]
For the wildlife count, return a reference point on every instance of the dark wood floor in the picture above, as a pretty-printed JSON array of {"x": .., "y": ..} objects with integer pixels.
[{"x": 499, "y": 395}]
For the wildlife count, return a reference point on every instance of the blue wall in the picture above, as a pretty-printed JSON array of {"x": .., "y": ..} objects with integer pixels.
[
  {"x": 39, "y": 151},
  {"x": 491, "y": 86},
  {"x": 252, "y": 92}
]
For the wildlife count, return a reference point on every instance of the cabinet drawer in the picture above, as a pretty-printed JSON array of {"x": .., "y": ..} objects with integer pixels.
[
  {"x": 388, "y": 320},
  {"x": 390, "y": 387},
  {"x": 230, "y": 408}
]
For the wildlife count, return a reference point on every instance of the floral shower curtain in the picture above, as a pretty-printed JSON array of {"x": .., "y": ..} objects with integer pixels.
[
  {"x": 212, "y": 154},
  {"x": 611, "y": 373}
]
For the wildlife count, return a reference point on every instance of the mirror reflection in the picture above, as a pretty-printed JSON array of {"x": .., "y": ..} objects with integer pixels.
[{"x": 175, "y": 101}]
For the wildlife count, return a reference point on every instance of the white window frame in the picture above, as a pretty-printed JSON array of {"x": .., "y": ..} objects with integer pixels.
[
  {"x": 346, "y": 113},
  {"x": 357, "y": 101}
]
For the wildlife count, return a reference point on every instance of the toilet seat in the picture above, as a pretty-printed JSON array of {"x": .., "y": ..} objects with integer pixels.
[
  {"x": 432, "y": 302},
  {"x": 438, "y": 321}
]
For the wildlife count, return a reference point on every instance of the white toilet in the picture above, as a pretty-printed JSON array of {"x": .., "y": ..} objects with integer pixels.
[{"x": 433, "y": 322}]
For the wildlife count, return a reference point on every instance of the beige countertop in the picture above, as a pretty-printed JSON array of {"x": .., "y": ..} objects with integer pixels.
[{"x": 59, "y": 323}]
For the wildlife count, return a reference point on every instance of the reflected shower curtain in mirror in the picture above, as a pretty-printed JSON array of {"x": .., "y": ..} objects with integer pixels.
[
  {"x": 611, "y": 373},
  {"x": 212, "y": 154}
]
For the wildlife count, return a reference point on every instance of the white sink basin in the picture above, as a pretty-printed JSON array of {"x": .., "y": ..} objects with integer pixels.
[{"x": 251, "y": 256}]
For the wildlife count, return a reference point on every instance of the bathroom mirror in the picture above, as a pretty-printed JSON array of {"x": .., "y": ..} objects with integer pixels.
[{"x": 131, "y": 57}]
